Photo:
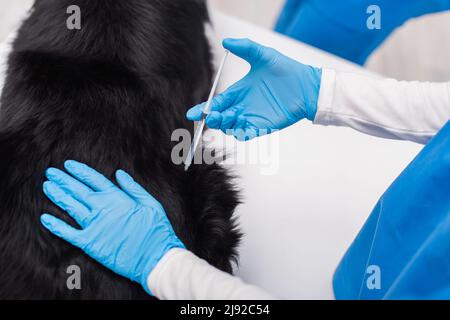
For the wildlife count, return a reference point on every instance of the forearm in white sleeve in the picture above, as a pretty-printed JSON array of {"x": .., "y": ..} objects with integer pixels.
[
  {"x": 387, "y": 108},
  {"x": 180, "y": 275}
]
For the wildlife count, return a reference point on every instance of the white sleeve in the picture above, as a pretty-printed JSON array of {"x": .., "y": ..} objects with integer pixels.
[
  {"x": 180, "y": 275},
  {"x": 385, "y": 108}
]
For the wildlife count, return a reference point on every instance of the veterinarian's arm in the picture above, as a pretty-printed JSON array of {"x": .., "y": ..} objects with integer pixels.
[
  {"x": 278, "y": 92},
  {"x": 180, "y": 275},
  {"x": 127, "y": 230},
  {"x": 387, "y": 108}
]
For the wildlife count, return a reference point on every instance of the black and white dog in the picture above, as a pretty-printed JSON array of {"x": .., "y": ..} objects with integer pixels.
[{"x": 109, "y": 95}]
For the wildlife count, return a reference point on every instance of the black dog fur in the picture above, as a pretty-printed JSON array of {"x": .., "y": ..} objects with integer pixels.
[{"x": 108, "y": 95}]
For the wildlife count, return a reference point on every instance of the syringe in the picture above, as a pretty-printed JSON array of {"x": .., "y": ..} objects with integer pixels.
[{"x": 206, "y": 110}]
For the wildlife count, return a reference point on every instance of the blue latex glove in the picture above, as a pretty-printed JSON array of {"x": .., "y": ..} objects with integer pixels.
[
  {"x": 276, "y": 93},
  {"x": 126, "y": 230},
  {"x": 340, "y": 27}
]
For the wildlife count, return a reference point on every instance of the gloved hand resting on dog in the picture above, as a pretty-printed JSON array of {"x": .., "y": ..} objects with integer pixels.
[{"x": 124, "y": 228}]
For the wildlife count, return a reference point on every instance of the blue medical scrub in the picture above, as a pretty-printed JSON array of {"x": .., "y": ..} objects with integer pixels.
[
  {"x": 338, "y": 28},
  {"x": 406, "y": 240},
  {"x": 342, "y": 28}
]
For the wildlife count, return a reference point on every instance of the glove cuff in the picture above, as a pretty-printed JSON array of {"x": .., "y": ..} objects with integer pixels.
[
  {"x": 152, "y": 260},
  {"x": 314, "y": 80}
]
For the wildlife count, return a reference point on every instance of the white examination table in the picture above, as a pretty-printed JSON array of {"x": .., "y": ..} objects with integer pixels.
[{"x": 299, "y": 221}]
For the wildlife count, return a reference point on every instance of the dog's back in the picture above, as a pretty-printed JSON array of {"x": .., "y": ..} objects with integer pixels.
[{"x": 109, "y": 95}]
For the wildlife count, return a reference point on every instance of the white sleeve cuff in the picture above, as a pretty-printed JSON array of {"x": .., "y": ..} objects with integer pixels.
[
  {"x": 155, "y": 277},
  {"x": 180, "y": 275},
  {"x": 326, "y": 95}
]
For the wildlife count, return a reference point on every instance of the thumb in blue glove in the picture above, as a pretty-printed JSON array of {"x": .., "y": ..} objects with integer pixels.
[
  {"x": 276, "y": 93},
  {"x": 125, "y": 229}
]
